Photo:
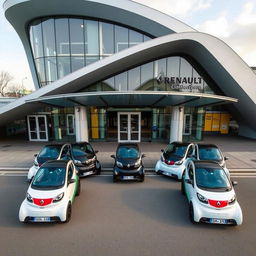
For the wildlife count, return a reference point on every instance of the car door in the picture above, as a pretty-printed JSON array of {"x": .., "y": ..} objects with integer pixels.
[
  {"x": 71, "y": 181},
  {"x": 189, "y": 181}
]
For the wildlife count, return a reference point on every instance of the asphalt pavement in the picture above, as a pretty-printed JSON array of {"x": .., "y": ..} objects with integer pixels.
[{"x": 128, "y": 219}]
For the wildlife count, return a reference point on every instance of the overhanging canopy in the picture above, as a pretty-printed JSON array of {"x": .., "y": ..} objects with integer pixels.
[{"x": 134, "y": 99}]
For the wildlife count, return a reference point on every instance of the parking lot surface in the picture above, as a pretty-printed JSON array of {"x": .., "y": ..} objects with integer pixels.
[{"x": 126, "y": 218}]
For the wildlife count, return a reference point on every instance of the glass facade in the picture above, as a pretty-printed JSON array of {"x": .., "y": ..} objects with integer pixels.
[
  {"x": 167, "y": 74},
  {"x": 63, "y": 45}
]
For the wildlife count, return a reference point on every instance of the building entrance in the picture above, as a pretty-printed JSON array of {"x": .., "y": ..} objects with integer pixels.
[
  {"x": 129, "y": 126},
  {"x": 37, "y": 128}
]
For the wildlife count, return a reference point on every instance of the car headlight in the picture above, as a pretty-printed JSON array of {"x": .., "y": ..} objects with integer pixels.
[
  {"x": 35, "y": 162},
  {"x": 119, "y": 164},
  {"x": 137, "y": 164},
  {"x": 58, "y": 198},
  {"x": 77, "y": 162},
  {"x": 179, "y": 163},
  {"x": 202, "y": 198},
  {"x": 29, "y": 198},
  {"x": 232, "y": 200}
]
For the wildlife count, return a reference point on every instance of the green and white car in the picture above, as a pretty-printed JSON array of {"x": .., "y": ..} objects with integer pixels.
[{"x": 51, "y": 193}]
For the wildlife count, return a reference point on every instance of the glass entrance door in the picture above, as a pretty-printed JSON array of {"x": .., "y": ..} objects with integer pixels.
[
  {"x": 37, "y": 128},
  {"x": 187, "y": 124},
  {"x": 129, "y": 127}
]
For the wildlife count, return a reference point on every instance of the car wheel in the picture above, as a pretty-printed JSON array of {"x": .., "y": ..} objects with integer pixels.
[
  {"x": 114, "y": 178},
  {"x": 68, "y": 213},
  {"x": 78, "y": 190},
  {"x": 191, "y": 213},
  {"x": 182, "y": 187},
  {"x": 141, "y": 178},
  {"x": 158, "y": 172},
  {"x": 98, "y": 170}
]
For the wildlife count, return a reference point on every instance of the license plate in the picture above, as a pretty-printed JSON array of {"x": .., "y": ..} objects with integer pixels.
[
  {"x": 167, "y": 173},
  {"x": 87, "y": 173},
  {"x": 41, "y": 219},
  {"x": 128, "y": 177},
  {"x": 218, "y": 221}
]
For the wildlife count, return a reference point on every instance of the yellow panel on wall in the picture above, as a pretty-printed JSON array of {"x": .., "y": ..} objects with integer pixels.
[
  {"x": 224, "y": 123},
  {"x": 94, "y": 123},
  {"x": 208, "y": 122},
  {"x": 216, "y": 122}
]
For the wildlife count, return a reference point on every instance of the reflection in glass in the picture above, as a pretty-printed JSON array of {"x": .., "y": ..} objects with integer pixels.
[
  {"x": 121, "y": 38},
  {"x": 133, "y": 79},
  {"x": 40, "y": 69},
  {"x": 77, "y": 63},
  {"x": 62, "y": 37},
  {"x": 135, "y": 38},
  {"x": 90, "y": 60},
  {"x": 36, "y": 39},
  {"x": 51, "y": 69},
  {"x": 63, "y": 66},
  {"x": 76, "y": 36},
  {"x": 121, "y": 82},
  {"x": 91, "y": 34},
  {"x": 107, "y": 31},
  {"x": 147, "y": 77},
  {"x": 48, "y": 37}
]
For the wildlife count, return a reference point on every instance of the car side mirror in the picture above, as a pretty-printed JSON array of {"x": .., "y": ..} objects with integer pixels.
[
  {"x": 162, "y": 150},
  {"x": 234, "y": 183},
  {"x": 189, "y": 181},
  {"x": 96, "y": 151},
  {"x": 143, "y": 155},
  {"x": 71, "y": 181},
  {"x": 35, "y": 155},
  {"x": 226, "y": 158},
  {"x": 113, "y": 156}
]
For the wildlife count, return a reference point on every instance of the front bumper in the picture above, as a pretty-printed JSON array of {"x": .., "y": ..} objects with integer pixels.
[
  {"x": 175, "y": 171},
  {"x": 84, "y": 171},
  {"x": 123, "y": 174},
  {"x": 51, "y": 213},
  {"x": 231, "y": 214}
]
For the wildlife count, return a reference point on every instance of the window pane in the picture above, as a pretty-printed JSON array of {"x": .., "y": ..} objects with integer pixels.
[
  {"x": 110, "y": 82},
  {"x": 40, "y": 69},
  {"x": 147, "y": 77},
  {"x": 63, "y": 66},
  {"x": 51, "y": 69},
  {"x": 146, "y": 38},
  {"x": 121, "y": 82},
  {"x": 133, "y": 79},
  {"x": 49, "y": 38},
  {"x": 160, "y": 71},
  {"x": 77, "y": 63},
  {"x": 36, "y": 39},
  {"x": 91, "y": 34},
  {"x": 185, "y": 72},
  {"x": 135, "y": 38},
  {"x": 77, "y": 36},
  {"x": 107, "y": 38},
  {"x": 90, "y": 60},
  {"x": 121, "y": 38},
  {"x": 62, "y": 37}
]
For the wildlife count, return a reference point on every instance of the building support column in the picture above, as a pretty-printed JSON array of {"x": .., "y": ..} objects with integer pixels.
[
  {"x": 176, "y": 127},
  {"x": 81, "y": 124}
]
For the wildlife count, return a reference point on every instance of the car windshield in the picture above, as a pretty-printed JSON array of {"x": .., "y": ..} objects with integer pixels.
[
  {"x": 81, "y": 149},
  {"x": 212, "y": 179},
  {"x": 128, "y": 152},
  {"x": 50, "y": 152},
  {"x": 49, "y": 178},
  {"x": 209, "y": 153},
  {"x": 176, "y": 150}
]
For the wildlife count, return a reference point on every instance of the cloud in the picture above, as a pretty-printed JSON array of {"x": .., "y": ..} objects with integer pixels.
[
  {"x": 177, "y": 8},
  {"x": 248, "y": 14}
]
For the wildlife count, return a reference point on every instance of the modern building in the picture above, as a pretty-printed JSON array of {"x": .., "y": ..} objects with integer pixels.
[{"x": 119, "y": 71}]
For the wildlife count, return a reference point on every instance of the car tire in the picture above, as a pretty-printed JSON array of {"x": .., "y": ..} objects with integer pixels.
[
  {"x": 191, "y": 213},
  {"x": 114, "y": 178},
  {"x": 78, "y": 190},
  {"x": 68, "y": 213},
  {"x": 158, "y": 173},
  {"x": 142, "y": 178},
  {"x": 98, "y": 170}
]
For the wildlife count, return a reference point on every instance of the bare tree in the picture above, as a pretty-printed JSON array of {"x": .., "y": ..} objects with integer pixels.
[
  {"x": 15, "y": 89},
  {"x": 5, "y": 79}
]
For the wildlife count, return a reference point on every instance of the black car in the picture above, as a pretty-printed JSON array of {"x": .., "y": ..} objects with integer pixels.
[
  {"x": 128, "y": 163},
  {"x": 85, "y": 159}
]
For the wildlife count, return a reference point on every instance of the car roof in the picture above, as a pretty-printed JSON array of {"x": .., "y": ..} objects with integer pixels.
[
  {"x": 180, "y": 143},
  {"x": 56, "y": 163},
  {"x": 206, "y": 164}
]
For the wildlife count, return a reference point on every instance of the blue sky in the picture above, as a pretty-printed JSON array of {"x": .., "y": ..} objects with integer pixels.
[{"x": 233, "y": 21}]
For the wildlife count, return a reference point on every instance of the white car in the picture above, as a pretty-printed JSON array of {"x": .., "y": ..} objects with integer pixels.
[
  {"x": 174, "y": 159},
  {"x": 51, "y": 193},
  {"x": 48, "y": 152},
  {"x": 210, "y": 194}
]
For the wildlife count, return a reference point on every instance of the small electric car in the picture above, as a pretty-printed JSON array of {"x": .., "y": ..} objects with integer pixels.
[
  {"x": 85, "y": 159},
  {"x": 48, "y": 152},
  {"x": 174, "y": 159},
  {"x": 128, "y": 163},
  {"x": 210, "y": 194},
  {"x": 211, "y": 152},
  {"x": 51, "y": 193}
]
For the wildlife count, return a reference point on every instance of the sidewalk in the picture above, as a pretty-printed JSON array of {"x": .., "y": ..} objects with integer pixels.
[{"x": 241, "y": 152}]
